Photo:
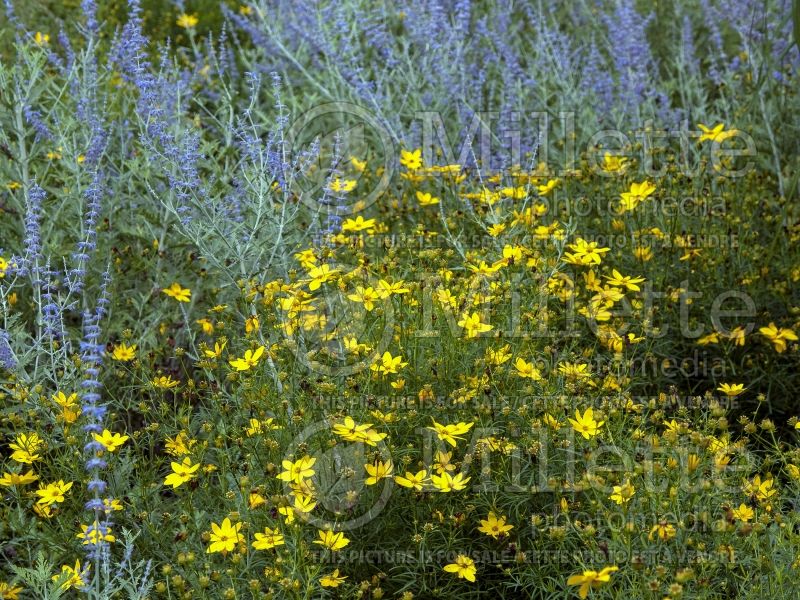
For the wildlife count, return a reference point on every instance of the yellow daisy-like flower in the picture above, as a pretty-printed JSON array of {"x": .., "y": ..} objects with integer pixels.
[{"x": 224, "y": 537}]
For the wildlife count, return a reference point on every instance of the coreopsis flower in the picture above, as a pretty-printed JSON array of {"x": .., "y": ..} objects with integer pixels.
[
  {"x": 337, "y": 184},
  {"x": 584, "y": 253},
  {"x": 75, "y": 577},
  {"x": 386, "y": 289},
  {"x": 426, "y": 199},
  {"x": 589, "y": 580},
  {"x": 411, "y": 160},
  {"x": 626, "y": 281},
  {"x": 9, "y": 592},
  {"x": 388, "y": 364},
  {"x": 527, "y": 370},
  {"x": 377, "y": 471},
  {"x": 464, "y": 567},
  {"x": 180, "y": 445},
  {"x": 224, "y": 537},
  {"x": 731, "y": 389},
  {"x": 248, "y": 361},
  {"x": 495, "y": 526},
  {"x": 548, "y": 187},
  {"x": 637, "y": 194},
  {"x": 663, "y": 531},
  {"x": 622, "y": 494},
  {"x": 614, "y": 164},
  {"x": 415, "y": 481},
  {"x": 187, "y": 21},
  {"x": 177, "y": 292},
  {"x": 164, "y": 382},
  {"x": 216, "y": 352},
  {"x": 94, "y": 535},
  {"x": 744, "y": 513},
  {"x": 778, "y": 336},
  {"x": 206, "y": 325},
  {"x": 124, "y": 353},
  {"x": 298, "y": 470},
  {"x": 110, "y": 441},
  {"x": 319, "y": 275},
  {"x": 442, "y": 462},
  {"x": 332, "y": 580},
  {"x": 450, "y": 433},
  {"x": 268, "y": 540},
  {"x": 41, "y": 39},
  {"x": 26, "y": 448},
  {"x": 182, "y": 472},
  {"x": 737, "y": 336},
  {"x": 716, "y": 133},
  {"x": 585, "y": 424},
  {"x": 366, "y": 296},
  {"x": 447, "y": 483},
  {"x": 53, "y": 493},
  {"x": 472, "y": 325},
  {"x": 357, "y": 224},
  {"x": 761, "y": 490},
  {"x": 574, "y": 370},
  {"x": 14, "y": 479},
  {"x": 304, "y": 503},
  {"x": 332, "y": 541}
]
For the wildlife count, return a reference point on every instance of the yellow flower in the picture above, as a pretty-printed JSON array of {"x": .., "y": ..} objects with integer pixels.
[
  {"x": 584, "y": 253},
  {"x": 11, "y": 479},
  {"x": 268, "y": 540},
  {"x": 412, "y": 480},
  {"x": 75, "y": 578},
  {"x": 450, "y": 433},
  {"x": 342, "y": 185},
  {"x": 446, "y": 483},
  {"x": 715, "y": 134},
  {"x": 778, "y": 336},
  {"x": 250, "y": 359},
  {"x": 298, "y": 470},
  {"x": 187, "y": 21},
  {"x": 614, "y": 164},
  {"x": 630, "y": 283},
  {"x": 494, "y": 526},
  {"x": 180, "y": 445},
  {"x": 332, "y": 580},
  {"x": 663, "y": 530},
  {"x": 591, "y": 580},
  {"x": 224, "y": 536},
  {"x": 124, "y": 353},
  {"x": 26, "y": 448},
  {"x": 411, "y": 160},
  {"x": 320, "y": 275},
  {"x": 366, "y": 296},
  {"x": 464, "y": 567},
  {"x": 53, "y": 492},
  {"x": 216, "y": 352},
  {"x": 358, "y": 224},
  {"x": 637, "y": 193},
  {"x": 377, "y": 471},
  {"x": 731, "y": 389},
  {"x": 110, "y": 441},
  {"x": 164, "y": 382},
  {"x": 180, "y": 294},
  {"x": 585, "y": 424},
  {"x": 94, "y": 535},
  {"x": 744, "y": 513},
  {"x": 622, "y": 494},
  {"x": 9, "y": 593},
  {"x": 527, "y": 369},
  {"x": 182, "y": 472},
  {"x": 473, "y": 325},
  {"x": 761, "y": 490},
  {"x": 388, "y": 364},
  {"x": 737, "y": 336},
  {"x": 332, "y": 541},
  {"x": 426, "y": 199},
  {"x": 41, "y": 39}
]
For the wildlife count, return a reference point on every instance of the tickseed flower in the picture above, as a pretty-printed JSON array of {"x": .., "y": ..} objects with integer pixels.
[
  {"x": 332, "y": 580},
  {"x": 268, "y": 540},
  {"x": 760, "y": 490},
  {"x": 53, "y": 492},
  {"x": 637, "y": 194},
  {"x": 411, "y": 160},
  {"x": 737, "y": 336},
  {"x": 180, "y": 294},
  {"x": 527, "y": 370},
  {"x": 731, "y": 389},
  {"x": 224, "y": 537},
  {"x": 663, "y": 530},
  {"x": 446, "y": 483},
  {"x": 622, "y": 494},
  {"x": 9, "y": 593},
  {"x": 415, "y": 481},
  {"x": 41, "y": 39},
  {"x": 744, "y": 513},
  {"x": 320, "y": 275},
  {"x": 180, "y": 445},
  {"x": 75, "y": 578},
  {"x": 358, "y": 224},
  {"x": 110, "y": 441},
  {"x": 250, "y": 359},
  {"x": 13, "y": 479},
  {"x": 332, "y": 541},
  {"x": 216, "y": 352},
  {"x": 426, "y": 199},
  {"x": 584, "y": 253},
  {"x": 614, "y": 164},
  {"x": 495, "y": 526},
  {"x": 94, "y": 535},
  {"x": 298, "y": 470},
  {"x": 187, "y": 21},
  {"x": 388, "y": 364},
  {"x": 377, "y": 471},
  {"x": 165, "y": 382},
  {"x": 450, "y": 433},
  {"x": 366, "y": 296},
  {"x": 589, "y": 580},
  {"x": 619, "y": 280},
  {"x": 585, "y": 424},
  {"x": 342, "y": 185},
  {"x": 472, "y": 325},
  {"x": 464, "y": 567},
  {"x": 26, "y": 448},
  {"x": 715, "y": 134},
  {"x": 182, "y": 472},
  {"x": 124, "y": 353},
  {"x": 386, "y": 289},
  {"x": 778, "y": 336}
]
